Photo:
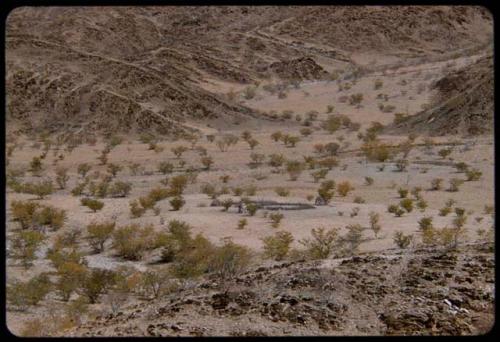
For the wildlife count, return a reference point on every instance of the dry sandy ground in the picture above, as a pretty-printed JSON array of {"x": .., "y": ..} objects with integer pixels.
[{"x": 215, "y": 224}]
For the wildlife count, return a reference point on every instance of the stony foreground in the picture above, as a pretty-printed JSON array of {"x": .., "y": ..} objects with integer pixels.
[{"x": 420, "y": 292}]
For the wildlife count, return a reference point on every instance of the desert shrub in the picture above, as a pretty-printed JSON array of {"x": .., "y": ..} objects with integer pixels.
[
  {"x": 461, "y": 167},
  {"x": 327, "y": 190},
  {"x": 252, "y": 208},
  {"x": 119, "y": 189},
  {"x": 353, "y": 238},
  {"x": 113, "y": 169},
  {"x": 401, "y": 240},
  {"x": 329, "y": 162},
  {"x": 354, "y": 212},
  {"x": 237, "y": 191},
  {"x": 343, "y": 188},
  {"x": 359, "y": 200},
  {"x": 62, "y": 177},
  {"x": 281, "y": 191},
  {"x": 24, "y": 212},
  {"x": 71, "y": 275},
  {"x": 178, "y": 151},
  {"x": 24, "y": 245},
  {"x": 36, "y": 165},
  {"x": 277, "y": 246},
  {"x": 156, "y": 283},
  {"x": 242, "y": 223},
  {"x": 165, "y": 167},
  {"x": 376, "y": 151},
  {"x": 355, "y": 99},
  {"x": 252, "y": 143},
  {"x": 306, "y": 131},
  {"x": 99, "y": 233},
  {"x": 50, "y": 216},
  {"x": 130, "y": 242},
  {"x": 250, "y": 190},
  {"x": 290, "y": 140},
  {"x": 375, "y": 223},
  {"x": 425, "y": 223},
  {"x": 177, "y": 203},
  {"x": 92, "y": 204},
  {"x": 294, "y": 169},
  {"x": 103, "y": 158},
  {"x": 416, "y": 192},
  {"x": 395, "y": 209},
  {"x": 403, "y": 193},
  {"x": 229, "y": 260},
  {"x": 209, "y": 190},
  {"x": 401, "y": 165},
  {"x": 96, "y": 282},
  {"x": 489, "y": 209},
  {"x": 277, "y": 136},
  {"x": 378, "y": 84},
  {"x": 177, "y": 185},
  {"x": 445, "y": 152},
  {"x": 24, "y": 294},
  {"x": 192, "y": 260},
  {"x": 249, "y": 92},
  {"x": 319, "y": 174},
  {"x": 332, "y": 148},
  {"x": 455, "y": 184},
  {"x": 225, "y": 178},
  {"x": 226, "y": 204},
  {"x": 210, "y": 137},
  {"x": 444, "y": 211},
  {"x": 136, "y": 210},
  {"x": 276, "y": 219},
  {"x": 207, "y": 162},
  {"x": 41, "y": 189},
  {"x": 422, "y": 204},
  {"x": 257, "y": 158},
  {"x": 436, "y": 184},
  {"x": 368, "y": 181},
  {"x": 473, "y": 175},
  {"x": 321, "y": 244},
  {"x": 276, "y": 160},
  {"x": 332, "y": 123},
  {"x": 406, "y": 204}
]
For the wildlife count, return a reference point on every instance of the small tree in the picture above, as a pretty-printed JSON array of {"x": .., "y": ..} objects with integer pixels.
[
  {"x": 277, "y": 246},
  {"x": 294, "y": 169},
  {"x": 327, "y": 190},
  {"x": 406, "y": 204},
  {"x": 207, "y": 162},
  {"x": 95, "y": 283},
  {"x": 179, "y": 150},
  {"x": 252, "y": 143},
  {"x": 321, "y": 243},
  {"x": 113, "y": 169},
  {"x": 177, "y": 203},
  {"x": 165, "y": 167},
  {"x": 252, "y": 208},
  {"x": 276, "y": 219},
  {"x": 436, "y": 184},
  {"x": 92, "y": 204},
  {"x": 374, "y": 223},
  {"x": 402, "y": 240},
  {"x": 62, "y": 177},
  {"x": 99, "y": 233},
  {"x": 242, "y": 223},
  {"x": 25, "y": 244},
  {"x": 343, "y": 188}
]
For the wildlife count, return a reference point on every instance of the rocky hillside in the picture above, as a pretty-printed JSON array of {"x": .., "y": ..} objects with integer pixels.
[
  {"x": 122, "y": 69},
  {"x": 463, "y": 104},
  {"x": 404, "y": 293}
]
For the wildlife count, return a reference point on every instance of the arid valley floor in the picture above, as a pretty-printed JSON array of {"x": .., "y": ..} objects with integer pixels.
[{"x": 259, "y": 162}]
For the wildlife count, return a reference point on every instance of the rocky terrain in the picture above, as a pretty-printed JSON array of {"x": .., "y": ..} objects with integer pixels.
[
  {"x": 136, "y": 69},
  {"x": 420, "y": 292},
  {"x": 462, "y": 103},
  {"x": 335, "y": 164}
]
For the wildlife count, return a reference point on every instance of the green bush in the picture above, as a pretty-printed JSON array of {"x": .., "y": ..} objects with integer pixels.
[
  {"x": 62, "y": 177},
  {"x": 473, "y": 175},
  {"x": 276, "y": 219},
  {"x": 277, "y": 246},
  {"x": 229, "y": 260},
  {"x": 50, "y": 216},
  {"x": 327, "y": 190},
  {"x": 99, "y": 233},
  {"x": 165, "y": 167},
  {"x": 130, "y": 242},
  {"x": 24, "y": 294},
  {"x": 177, "y": 203},
  {"x": 402, "y": 240},
  {"x": 92, "y": 204},
  {"x": 343, "y": 188},
  {"x": 96, "y": 282},
  {"x": 24, "y": 245},
  {"x": 294, "y": 169},
  {"x": 321, "y": 244},
  {"x": 406, "y": 204}
]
